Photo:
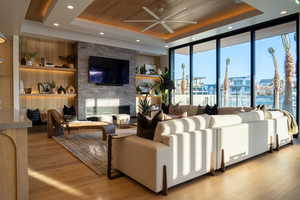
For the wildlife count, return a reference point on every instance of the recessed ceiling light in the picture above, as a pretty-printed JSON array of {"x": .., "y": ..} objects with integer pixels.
[
  {"x": 229, "y": 27},
  {"x": 70, "y": 7},
  {"x": 138, "y": 40},
  {"x": 297, "y": 2},
  {"x": 283, "y": 12},
  {"x": 56, "y": 24},
  {"x": 101, "y": 33},
  {"x": 167, "y": 46}
]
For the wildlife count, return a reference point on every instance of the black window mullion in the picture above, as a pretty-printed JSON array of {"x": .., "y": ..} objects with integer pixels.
[
  {"x": 218, "y": 70},
  {"x": 252, "y": 65},
  {"x": 191, "y": 75}
]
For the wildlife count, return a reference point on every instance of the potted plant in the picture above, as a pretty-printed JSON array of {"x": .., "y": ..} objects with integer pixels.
[
  {"x": 144, "y": 106},
  {"x": 52, "y": 85},
  {"x": 68, "y": 61},
  {"x": 29, "y": 57}
]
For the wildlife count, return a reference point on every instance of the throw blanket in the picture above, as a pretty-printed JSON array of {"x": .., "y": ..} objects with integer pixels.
[{"x": 292, "y": 123}]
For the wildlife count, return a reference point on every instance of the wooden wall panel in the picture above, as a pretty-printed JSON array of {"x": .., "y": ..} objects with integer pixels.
[
  {"x": 6, "y": 98},
  {"x": 31, "y": 78},
  {"x": 49, "y": 49},
  {"x": 44, "y": 103}
]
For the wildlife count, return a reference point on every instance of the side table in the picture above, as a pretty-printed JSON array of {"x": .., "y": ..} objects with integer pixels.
[{"x": 109, "y": 150}]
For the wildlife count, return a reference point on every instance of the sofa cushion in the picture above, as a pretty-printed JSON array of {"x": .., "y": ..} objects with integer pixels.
[
  {"x": 275, "y": 114},
  {"x": 230, "y": 110},
  {"x": 251, "y": 116},
  {"x": 176, "y": 109},
  {"x": 146, "y": 126},
  {"x": 224, "y": 120},
  {"x": 176, "y": 126},
  {"x": 211, "y": 110}
]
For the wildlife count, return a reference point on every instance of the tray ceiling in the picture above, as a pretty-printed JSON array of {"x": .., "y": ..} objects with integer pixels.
[{"x": 208, "y": 13}]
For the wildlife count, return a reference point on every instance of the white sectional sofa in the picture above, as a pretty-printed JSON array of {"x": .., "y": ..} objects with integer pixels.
[
  {"x": 186, "y": 148},
  {"x": 281, "y": 134}
]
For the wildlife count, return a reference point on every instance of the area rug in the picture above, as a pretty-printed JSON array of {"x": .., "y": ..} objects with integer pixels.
[{"x": 89, "y": 148}]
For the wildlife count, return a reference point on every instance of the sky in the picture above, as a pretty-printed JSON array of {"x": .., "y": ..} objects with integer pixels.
[{"x": 205, "y": 62}]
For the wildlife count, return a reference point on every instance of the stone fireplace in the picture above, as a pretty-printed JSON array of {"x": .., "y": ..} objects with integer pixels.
[{"x": 104, "y": 99}]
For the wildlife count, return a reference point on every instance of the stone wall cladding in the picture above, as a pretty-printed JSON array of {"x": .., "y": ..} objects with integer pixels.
[{"x": 125, "y": 94}]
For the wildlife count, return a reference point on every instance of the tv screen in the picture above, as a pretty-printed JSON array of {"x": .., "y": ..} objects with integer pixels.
[{"x": 108, "y": 71}]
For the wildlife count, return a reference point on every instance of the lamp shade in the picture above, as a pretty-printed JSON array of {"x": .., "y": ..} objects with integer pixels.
[{"x": 2, "y": 38}]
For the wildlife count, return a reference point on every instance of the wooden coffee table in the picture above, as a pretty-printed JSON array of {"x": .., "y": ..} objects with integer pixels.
[{"x": 75, "y": 125}]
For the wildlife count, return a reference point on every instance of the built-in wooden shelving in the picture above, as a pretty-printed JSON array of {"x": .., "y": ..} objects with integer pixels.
[
  {"x": 31, "y": 76},
  {"x": 146, "y": 76},
  {"x": 48, "y": 95},
  {"x": 49, "y": 69}
]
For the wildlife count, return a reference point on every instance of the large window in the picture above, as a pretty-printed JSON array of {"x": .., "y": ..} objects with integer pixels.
[
  {"x": 181, "y": 93},
  {"x": 204, "y": 74},
  {"x": 276, "y": 55},
  {"x": 235, "y": 69},
  {"x": 253, "y": 66}
]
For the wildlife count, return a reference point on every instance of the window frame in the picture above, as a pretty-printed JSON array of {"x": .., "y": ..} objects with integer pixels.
[{"x": 252, "y": 29}]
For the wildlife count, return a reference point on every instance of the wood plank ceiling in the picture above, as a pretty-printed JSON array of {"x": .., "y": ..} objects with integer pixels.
[{"x": 208, "y": 14}]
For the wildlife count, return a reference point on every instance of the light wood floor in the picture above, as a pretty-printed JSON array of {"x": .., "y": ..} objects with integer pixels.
[{"x": 56, "y": 175}]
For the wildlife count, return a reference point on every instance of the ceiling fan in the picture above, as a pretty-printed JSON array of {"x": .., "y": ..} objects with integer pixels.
[{"x": 163, "y": 21}]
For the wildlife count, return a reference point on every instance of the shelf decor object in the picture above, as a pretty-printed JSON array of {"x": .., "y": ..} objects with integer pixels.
[{"x": 2, "y": 38}]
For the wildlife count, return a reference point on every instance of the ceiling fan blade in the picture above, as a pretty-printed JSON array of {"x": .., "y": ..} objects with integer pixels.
[
  {"x": 173, "y": 15},
  {"x": 178, "y": 21},
  {"x": 133, "y": 21},
  {"x": 151, "y": 13},
  {"x": 151, "y": 26},
  {"x": 168, "y": 28}
]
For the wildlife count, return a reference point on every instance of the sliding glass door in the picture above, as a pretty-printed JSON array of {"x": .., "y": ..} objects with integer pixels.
[
  {"x": 181, "y": 73},
  {"x": 253, "y": 66},
  {"x": 204, "y": 74},
  {"x": 235, "y": 70},
  {"x": 275, "y": 62}
]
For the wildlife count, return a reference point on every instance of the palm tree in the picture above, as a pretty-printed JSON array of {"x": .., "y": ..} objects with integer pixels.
[
  {"x": 276, "y": 79},
  {"x": 226, "y": 83},
  {"x": 289, "y": 73},
  {"x": 183, "y": 80}
]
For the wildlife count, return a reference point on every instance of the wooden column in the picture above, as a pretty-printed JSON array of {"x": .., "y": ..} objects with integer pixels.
[{"x": 13, "y": 164}]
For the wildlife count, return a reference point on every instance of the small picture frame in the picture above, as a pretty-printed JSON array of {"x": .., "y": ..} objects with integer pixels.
[
  {"x": 44, "y": 88},
  {"x": 150, "y": 69}
]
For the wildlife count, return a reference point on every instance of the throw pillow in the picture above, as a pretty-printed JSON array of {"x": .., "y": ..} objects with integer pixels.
[
  {"x": 201, "y": 110},
  {"x": 169, "y": 117},
  {"x": 146, "y": 126},
  {"x": 175, "y": 109},
  {"x": 211, "y": 110},
  {"x": 69, "y": 110},
  {"x": 34, "y": 116}
]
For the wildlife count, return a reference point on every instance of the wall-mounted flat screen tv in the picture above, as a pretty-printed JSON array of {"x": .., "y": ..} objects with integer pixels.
[{"x": 108, "y": 71}]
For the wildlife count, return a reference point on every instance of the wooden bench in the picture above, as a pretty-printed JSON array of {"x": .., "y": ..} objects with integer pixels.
[{"x": 57, "y": 125}]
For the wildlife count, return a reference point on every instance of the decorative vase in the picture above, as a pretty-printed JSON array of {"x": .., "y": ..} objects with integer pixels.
[
  {"x": 27, "y": 90},
  {"x": 23, "y": 61},
  {"x": 61, "y": 90},
  {"x": 29, "y": 62},
  {"x": 54, "y": 90},
  {"x": 22, "y": 87}
]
